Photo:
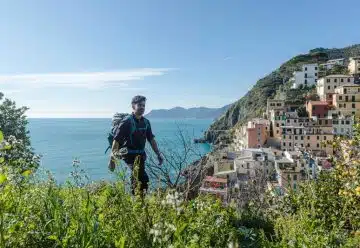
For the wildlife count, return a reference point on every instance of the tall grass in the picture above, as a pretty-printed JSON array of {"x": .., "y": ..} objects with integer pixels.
[{"x": 41, "y": 213}]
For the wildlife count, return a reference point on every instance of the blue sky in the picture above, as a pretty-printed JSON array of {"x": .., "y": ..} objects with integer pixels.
[{"x": 88, "y": 58}]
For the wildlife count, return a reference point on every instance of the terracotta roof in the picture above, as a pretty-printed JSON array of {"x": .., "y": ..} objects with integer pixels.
[{"x": 215, "y": 179}]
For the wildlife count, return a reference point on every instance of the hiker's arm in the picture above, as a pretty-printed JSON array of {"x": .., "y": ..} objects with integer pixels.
[
  {"x": 151, "y": 138},
  {"x": 155, "y": 147}
]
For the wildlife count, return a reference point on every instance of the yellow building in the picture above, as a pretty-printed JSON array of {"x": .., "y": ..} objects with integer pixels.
[
  {"x": 346, "y": 100},
  {"x": 326, "y": 85},
  {"x": 354, "y": 65},
  {"x": 276, "y": 105}
]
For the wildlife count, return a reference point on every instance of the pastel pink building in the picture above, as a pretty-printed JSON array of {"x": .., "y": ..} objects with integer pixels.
[{"x": 257, "y": 132}]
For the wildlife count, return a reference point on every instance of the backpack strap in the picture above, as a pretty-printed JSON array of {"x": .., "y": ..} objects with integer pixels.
[{"x": 133, "y": 127}]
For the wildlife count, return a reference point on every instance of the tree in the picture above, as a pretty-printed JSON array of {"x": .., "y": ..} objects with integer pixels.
[
  {"x": 178, "y": 172},
  {"x": 13, "y": 121},
  {"x": 15, "y": 137}
]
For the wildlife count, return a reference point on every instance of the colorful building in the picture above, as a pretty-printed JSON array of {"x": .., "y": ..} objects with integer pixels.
[
  {"x": 354, "y": 65},
  {"x": 276, "y": 105},
  {"x": 252, "y": 135},
  {"x": 307, "y": 76},
  {"x": 346, "y": 100},
  {"x": 215, "y": 186},
  {"x": 326, "y": 85},
  {"x": 331, "y": 63},
  {"x": 317, "y": 108},
  {"x": 288, "y": 173},
  {"x": 343, "y": 126}
]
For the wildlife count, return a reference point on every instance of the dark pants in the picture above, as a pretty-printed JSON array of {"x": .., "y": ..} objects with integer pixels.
[{"x": 141, "y": 177}]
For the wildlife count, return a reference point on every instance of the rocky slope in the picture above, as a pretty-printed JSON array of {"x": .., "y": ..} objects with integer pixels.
[{"x": 253, "y": 103}]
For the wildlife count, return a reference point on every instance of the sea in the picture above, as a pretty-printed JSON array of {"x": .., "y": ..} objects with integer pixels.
[{"x": 61, "y": 141}]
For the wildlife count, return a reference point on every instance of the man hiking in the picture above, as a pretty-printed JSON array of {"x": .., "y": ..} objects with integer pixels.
[{"x": 129, "y": 141}]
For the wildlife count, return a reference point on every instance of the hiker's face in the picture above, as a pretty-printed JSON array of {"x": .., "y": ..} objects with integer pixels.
[{"x": 139, "y": 108}]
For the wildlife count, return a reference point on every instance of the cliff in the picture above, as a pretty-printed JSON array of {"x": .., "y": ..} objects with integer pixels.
[{"x": 253, "y": 104}]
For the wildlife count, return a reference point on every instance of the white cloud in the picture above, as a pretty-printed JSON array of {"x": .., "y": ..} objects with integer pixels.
[
  {"x": 227, "y": 58},
  {"x": 91, "y": 80}
]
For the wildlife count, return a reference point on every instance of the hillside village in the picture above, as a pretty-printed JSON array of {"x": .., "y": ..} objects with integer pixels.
[{"x": 291, "y": 142}]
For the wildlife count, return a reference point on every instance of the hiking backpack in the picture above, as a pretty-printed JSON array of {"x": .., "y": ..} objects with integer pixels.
[{"x": 118, "y": 119}]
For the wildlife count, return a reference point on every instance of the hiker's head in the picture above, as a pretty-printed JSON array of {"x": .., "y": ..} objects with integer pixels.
[{"x": 138, "y": 104}]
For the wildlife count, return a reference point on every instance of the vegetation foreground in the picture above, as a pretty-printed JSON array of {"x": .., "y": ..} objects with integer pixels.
[{"x": 40, "y": 213}]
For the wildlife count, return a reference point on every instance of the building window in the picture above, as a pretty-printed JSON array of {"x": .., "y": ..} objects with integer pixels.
[
  {"x": 346, "y": 98},
  {"x": 317, "y": 137},
  {"x": 296, "y": 137},
  {"x": 320, "y": 122},
  {"x": 324, "y": 137},
  {"x": 288, "y": 121},
  {"x": 284, "y": 137},
  {"x": 277, "y": 131},
  {"x": 290, "y": 144},
  {"x": 315, "y": 74},
  {"x": 308, "y": 137},
  {"x": 308, "y": 145},
  {"x": 335, "y": 80},
  {"x": 335, "y": 130},
  {"x": 353, "y": 105},
  {"x": 353, "y": 113},
  {"x": 340, "y": 98},
  {"x": 277, "y": 124},
  {"x": 326, "y": 122},
  {"x": 295, "y": 177},
  {"x": 317, "y": 145},
  {"x": 328, "y": 87},
  {"x": 348, "y": 80},
  {"x": 315, "y": 68},
  {"x": 305, "y": 81},
  {"x": 302, "y": 137},
  {"x": 302, "y": 145},
  {"x": 305, "y": 69},
  {"x": 295, "y": 121},
  {"x": 247, "y": 165},
  {"x": 344, "y": 105},
  {"x": 353, "y": 98},
  {"x": 342, "y": 80},
  {"x": 347, "y": 122},
  {"x": 284, "y": 144},
  {"x": 335, "y": 87},
  {"x": 305, "y": 75},
  {"x": 315, "y": 80}
]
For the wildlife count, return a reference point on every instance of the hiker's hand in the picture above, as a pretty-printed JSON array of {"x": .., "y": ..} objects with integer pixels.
[
  {"x": 160, "y": 158},
  {"x": 112, "y": 165}
]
